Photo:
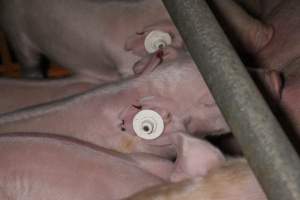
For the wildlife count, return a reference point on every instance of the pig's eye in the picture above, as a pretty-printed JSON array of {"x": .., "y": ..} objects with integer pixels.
[
  {"x": 156, "y": 40},
  {"x": 148, "y": 124}
]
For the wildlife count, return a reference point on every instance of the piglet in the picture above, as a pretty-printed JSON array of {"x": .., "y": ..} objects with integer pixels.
[
  {"x": 86, "y": 36},
  {"x": 67, "y": 168},
  {"x": 105, "y": 114}
]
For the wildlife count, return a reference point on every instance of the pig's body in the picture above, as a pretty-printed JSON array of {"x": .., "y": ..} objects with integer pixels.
[
  {"x": 232, "y": 181},
  {"x": 97, "y": 113},
  {"x": 47, "y": 166},
  {"x": 18, "y": 94},
  {"x": 275, "y": 47},
  {"x": 51, "y": 167},
  {"x": 86, "y": 36}
]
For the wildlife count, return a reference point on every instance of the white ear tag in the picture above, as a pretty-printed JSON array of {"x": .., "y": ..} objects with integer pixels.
[
  {"x": 148, "y": 124},
  {"x": 156, "y": 40}
]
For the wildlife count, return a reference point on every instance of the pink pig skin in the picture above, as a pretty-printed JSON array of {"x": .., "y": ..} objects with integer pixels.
[
  {"x": 37, "y": 166},
  {"x": 232, "y": 181},
  {"x": 18, "y": 93},
  {"x": 97, "y": 113},
  {"x": 48, "y": 166},
  {"x": 270, "y": 37},
  {"x": 283, "y": 49}
]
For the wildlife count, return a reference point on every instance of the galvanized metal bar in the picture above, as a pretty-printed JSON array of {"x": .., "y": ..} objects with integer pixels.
[{"x": 264, "y": 143}]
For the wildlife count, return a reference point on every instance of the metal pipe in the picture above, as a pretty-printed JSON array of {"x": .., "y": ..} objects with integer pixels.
[{"x": 264, "y": 143}]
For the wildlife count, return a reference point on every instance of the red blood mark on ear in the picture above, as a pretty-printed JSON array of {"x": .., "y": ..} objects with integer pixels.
[
  {"x": 160, "y": 54},
  {"x": 122, "y": 125},
  {"x": 140, "y": 33},
  {"x": 137, "y": 107}
]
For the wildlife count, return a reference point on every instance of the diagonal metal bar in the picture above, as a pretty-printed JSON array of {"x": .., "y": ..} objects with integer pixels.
[{"x": 264, "y": 143}]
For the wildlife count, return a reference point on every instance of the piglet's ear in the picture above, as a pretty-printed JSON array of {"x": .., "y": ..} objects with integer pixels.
[
  {"x": 148, "y": 63},
  {"x": 195, "y": 157},
  {"x": 135, "y": 44}
]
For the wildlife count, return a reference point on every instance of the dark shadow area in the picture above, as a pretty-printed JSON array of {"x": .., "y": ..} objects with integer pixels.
[{"x": 227, "y": 144}]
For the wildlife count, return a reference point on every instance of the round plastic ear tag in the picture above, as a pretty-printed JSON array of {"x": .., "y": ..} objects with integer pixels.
[
  {"x": 148, "y": 124},
  {"x": 156, "y": 40}
]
